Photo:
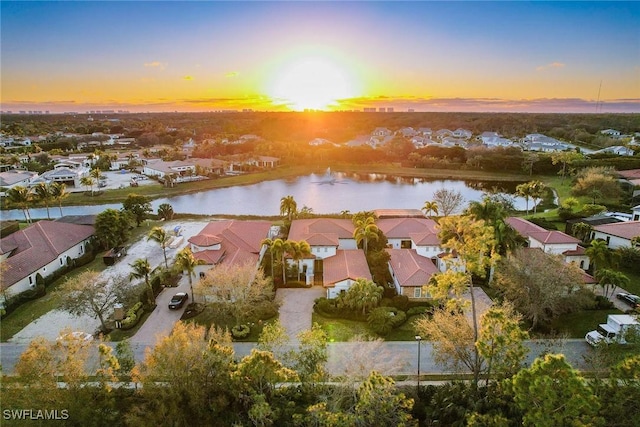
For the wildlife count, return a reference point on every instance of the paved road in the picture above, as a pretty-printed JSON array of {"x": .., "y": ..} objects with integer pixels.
[
  {"x": 404, "y": 355},
  {"x": 162, "y": 320}
]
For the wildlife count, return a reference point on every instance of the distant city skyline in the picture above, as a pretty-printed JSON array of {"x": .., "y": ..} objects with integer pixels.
[{"x": 152, "y": 56}]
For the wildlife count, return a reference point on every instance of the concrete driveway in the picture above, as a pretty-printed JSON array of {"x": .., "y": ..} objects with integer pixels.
[
  {"x": 296, "y": 308},
  {"x": 161, "y": 321}
]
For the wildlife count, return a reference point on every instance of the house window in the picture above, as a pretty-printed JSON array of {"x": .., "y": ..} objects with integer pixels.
[
  {"x": 417, "y": 292},
  {"x": 202, "y": 274},
  {"x": 608, "y": 240},
  {"x": 60, "y": 261},
  {"x": 325, "y": 249},
  {"x": 582, "y": 264},
  {"x": 405, "y": 244},
  {"x": 30, "y": 280}
]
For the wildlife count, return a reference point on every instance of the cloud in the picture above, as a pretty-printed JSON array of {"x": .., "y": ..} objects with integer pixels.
[
  {"x": 258, "y": 102},
  {"x": 187, "y": 78},
  {"x": 232, "y": 74},
  {"x": 550, "y": 66},
  {"x": 156, "y": 64}
]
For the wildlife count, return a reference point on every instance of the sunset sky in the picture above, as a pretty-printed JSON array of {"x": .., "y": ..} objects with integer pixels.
[{"x": 279, "y": 56}]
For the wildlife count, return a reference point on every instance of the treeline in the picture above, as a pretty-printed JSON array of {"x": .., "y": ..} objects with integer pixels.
[
  {"x": 338, "y": 127},
  {"x": 194, "y": 378}
]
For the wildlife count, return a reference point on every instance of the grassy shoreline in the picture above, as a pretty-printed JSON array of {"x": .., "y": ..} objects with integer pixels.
[{"x": 284, "y": 172}]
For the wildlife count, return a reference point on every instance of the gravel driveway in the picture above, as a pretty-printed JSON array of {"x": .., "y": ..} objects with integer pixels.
[{"x": 50, "y": 324}]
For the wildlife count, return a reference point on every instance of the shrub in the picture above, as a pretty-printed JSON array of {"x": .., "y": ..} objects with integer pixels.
[
  {"x": 602, "y": 303},
  {"x": 400, "y": 302},
  {"x": 382, "y": 320},
  {"x": 326, "y": 307},
  {"x": 240, "y": 331},
  {"x": 133, "y": 316},
  {"x": 415, "y": 311},
  {"x": 591, "y": 209}
]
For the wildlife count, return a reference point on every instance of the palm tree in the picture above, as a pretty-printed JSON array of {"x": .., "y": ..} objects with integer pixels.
[
  {"x": 165, "y": 210},
  {"x": 345, "y": 213},
  {"x": 430, "y": 207},
  {"x": 537, "y": 192},
  {"x": 582, "y": 230},
  {"x": 59, "y": 193},
  {"x": 186, "y": 262},
  {"x": 524, "y": 190},
  {"x": 599, "y": 254},
  {"x": 288, "y": 207},
  {"x": 269, "y": 244},
  {"x": 298, "y": 250},
  {"x": 142, "y": 270},
  {"x": 44, "y": 194},
  {"x": 160, "y": 235},
  {"x": 279, "y": 248},
  {"x": 21, "y": 197},
  {"x": 95, "y": 173},
  {"x": 88, "y": 182},
  {"x": 610, "y": 278},
  {"x": 365, "y": 229}
]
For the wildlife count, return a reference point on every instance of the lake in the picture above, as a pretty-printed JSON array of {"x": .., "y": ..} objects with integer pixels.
[{"x": 324, "y": 193}]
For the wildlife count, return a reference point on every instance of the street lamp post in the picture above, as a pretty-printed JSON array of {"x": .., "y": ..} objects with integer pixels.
[{"x": 419, "y": 339}]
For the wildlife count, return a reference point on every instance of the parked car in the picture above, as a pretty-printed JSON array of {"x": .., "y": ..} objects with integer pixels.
[
  {"x": 178, "y": 300},
  {"x": 632, "y": 300}
]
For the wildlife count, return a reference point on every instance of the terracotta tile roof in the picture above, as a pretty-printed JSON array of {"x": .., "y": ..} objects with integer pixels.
[
  {"x": 627, "y": 230},
  {"x": 398, "y": 213},
  {"x": 529, "y": 229},
  {"x": 425, "y": 239},
  {"x": 411, "y": 269},
  {"x": 577, "y": 252},
  {"x": 329, "y": 239},
  {"x": 38, "y": 245},
  {"x": 630, "y": 174},
  {"x": 205, "y": 240},
  {"x": 303, "y": 229},
  {"x": 396, "y": 228},
  {"x": 349, "y": 264},
  {"x": 238, "y": 240}
]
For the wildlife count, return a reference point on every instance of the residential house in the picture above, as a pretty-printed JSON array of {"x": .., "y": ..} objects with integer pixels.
[
  {"x": 618, "y": 235},
  {"x": 359, "y": 141},
  {"x": 462, "y": 133},
  {"x": 539, "y": 142},
  {"x": 619, "y": 150},
  {"x": 335, "y": 260},
  {"x": 425, "y": 131},
  {"x": 381, "y": 132},
  {"x": 610, "y": 132},
  {"x": 40, "y": 249},
  {"x": 635, "y": 216},
  {"x": 342, "y": 269},
  {"x": 407, "y": 132},
  {"x": 68, "y": 172},
  {"x": 209, "y": 166},
  {"x": 176, "y": 168},
  {"x": 442, "y": 133},
  {"x": 15, "y": 177},
  {"x": 410, "y": 272},
  {"x": 551, "y": 242},
  {"x": 229, "y": 242},
  {"x": 449, "y": 141}
]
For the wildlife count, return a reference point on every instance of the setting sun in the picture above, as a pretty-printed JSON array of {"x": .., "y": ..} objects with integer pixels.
[{"x": 311, "y": 82}]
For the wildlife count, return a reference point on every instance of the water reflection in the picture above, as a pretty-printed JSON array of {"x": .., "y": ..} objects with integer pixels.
[{"x": 331, "y": 192}]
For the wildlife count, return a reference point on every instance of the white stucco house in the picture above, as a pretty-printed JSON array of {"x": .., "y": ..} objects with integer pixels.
[
  {"x": 40, "y": 249},
  {"x": 551, "y": 242},
  {"x": 229, "y": 242},
  {"x": 410, "y": 272},
  {"x": 617, "y": 235},
  {"x": 335, "y": 260}
]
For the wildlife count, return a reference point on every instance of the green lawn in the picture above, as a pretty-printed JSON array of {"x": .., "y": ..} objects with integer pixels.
[
  {"x": 576, "y": 325},
  {"x": 634, "y": 282},
  {"x": 339, "y": 330},
  {"x": 31, "y": 310},
  {"x": 344, "y": 330}
]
